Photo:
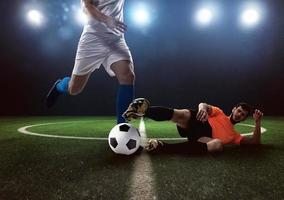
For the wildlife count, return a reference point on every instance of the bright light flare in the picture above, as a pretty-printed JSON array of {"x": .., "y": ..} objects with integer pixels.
[
  {"x": 250, "y": 17},
  {"x": 35, "y": 17},
  {"x": 204, "y": 16},
  {"x": 81, "y": 17},
  {"x": 140, "y": 15},
  {"x": 251, "y": 14}
]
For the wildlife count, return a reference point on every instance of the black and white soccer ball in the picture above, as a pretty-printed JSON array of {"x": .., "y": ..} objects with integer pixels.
[{"x": 124, "y": 139}]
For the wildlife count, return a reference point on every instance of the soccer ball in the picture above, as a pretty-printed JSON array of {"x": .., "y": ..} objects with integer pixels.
[{"x": 124, "y": 139}]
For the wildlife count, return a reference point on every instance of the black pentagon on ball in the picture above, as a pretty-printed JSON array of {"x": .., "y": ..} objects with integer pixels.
[
  {"x": 124, "y": 128},
  {"x": 131, "y": 144},
  {"x": 113, "y": 142}
]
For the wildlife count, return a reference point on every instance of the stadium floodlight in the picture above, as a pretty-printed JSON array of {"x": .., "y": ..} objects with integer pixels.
[
  {"x": 204, "y": 16},
  {"x": 141, "y": 15},
  {"x": 35, "y": 17},
  {"x": 250, "y": 17},
  {"x": 251, "y": 14}
]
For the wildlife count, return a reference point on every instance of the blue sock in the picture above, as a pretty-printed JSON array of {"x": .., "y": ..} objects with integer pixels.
[
  {"x": 62, "y": 86},
  {"x": 125, "y": 96}
]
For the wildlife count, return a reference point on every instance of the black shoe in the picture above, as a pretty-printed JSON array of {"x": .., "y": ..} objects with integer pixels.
[
  {"x": 136, "y": 109},
  {"x": 52, "y": 95}
]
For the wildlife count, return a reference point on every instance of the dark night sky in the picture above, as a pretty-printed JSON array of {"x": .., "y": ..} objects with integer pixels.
[{"x": 176, "y": 63}]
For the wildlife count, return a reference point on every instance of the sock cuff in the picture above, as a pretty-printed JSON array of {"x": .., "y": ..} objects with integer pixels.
[
  {"x": 62, "y": 86},
  {"x": 159, "y": 113},
  {"x": 126, "y": 86}
]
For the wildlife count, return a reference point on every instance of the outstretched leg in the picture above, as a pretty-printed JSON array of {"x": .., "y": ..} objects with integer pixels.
[
  {"x": 178, "y": 116},
  {"x": 181, "y": 118},
  {"x": 203, "y": 145},
  {"x": 140, "y": 107}
]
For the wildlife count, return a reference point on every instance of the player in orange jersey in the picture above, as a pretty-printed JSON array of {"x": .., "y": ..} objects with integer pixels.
[{"x": 208, "y": 128}]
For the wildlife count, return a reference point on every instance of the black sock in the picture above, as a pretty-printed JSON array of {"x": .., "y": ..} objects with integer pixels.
[
  {"x": 184, "y": 148},
  {"x": 159, "y": 113}
]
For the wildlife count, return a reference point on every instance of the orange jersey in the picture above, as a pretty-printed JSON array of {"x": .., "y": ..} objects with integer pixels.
[{"x": 222, "y": 127}]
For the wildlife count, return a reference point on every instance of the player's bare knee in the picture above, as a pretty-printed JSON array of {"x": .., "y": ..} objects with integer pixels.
[
  {"x": 186, "y": 114},
  {"x": 126, "y": 76},
  {"x": 219, "y": 146},
  {"x": 130, "y": 76},
  {"x": 124, "y": 71},
  {"x": 181, "y": 117},
  {"x": 176, "y": 115},
  {"x": 215, "y": 146}
]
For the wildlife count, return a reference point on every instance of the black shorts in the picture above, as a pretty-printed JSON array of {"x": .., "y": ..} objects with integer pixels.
[{"x": 195, "y": 128}]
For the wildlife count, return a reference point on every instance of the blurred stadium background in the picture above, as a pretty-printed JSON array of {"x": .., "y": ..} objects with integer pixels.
[
  {"x": 185, "y": 52},
  {"x": 220, "y": 52}
]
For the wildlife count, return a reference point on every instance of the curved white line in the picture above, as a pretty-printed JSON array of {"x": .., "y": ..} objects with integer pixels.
[{"x": 25, "y": 131}]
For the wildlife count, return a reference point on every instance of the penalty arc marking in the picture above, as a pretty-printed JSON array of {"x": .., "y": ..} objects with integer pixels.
[{"x": 24, "y": 130}]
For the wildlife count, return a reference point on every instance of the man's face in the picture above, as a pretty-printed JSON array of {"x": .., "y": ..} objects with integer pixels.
[{"x": 238, "y": 114}]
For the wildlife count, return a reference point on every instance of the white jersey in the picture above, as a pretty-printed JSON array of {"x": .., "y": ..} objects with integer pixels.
[
  {"x": 112, "y": 8},
  {"x": 98, "y": 44}
]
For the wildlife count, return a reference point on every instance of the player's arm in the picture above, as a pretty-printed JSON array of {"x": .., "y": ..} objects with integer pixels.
[
  {"x": 204, "y": 110},
  {"x": 111, "y": 23},
  {"x": 256, "y": 137}
]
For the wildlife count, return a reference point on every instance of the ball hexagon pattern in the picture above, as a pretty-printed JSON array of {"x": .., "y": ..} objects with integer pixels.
[{"x": 124, "y": 139}]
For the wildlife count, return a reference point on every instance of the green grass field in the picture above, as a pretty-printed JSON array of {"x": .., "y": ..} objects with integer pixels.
[{"x": 39, "y": 168}]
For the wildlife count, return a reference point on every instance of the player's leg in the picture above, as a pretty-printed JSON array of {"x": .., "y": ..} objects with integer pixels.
[
  {"x": 123, "y": 69},
  {"x": 77, "y": 83},
  {"x": 213, "y": 145},
  {"x": 178, "y": 116},
  {"x": 68, "y": 86},
  {"x": 203, "y": 145},
  {"x": 90, "y": 55},
  {"x": 157, "y": 146},
  {"x": 74, "y": 85},
  {"x": 140, "y": 107},
  {"x": 181, "y": 117}
]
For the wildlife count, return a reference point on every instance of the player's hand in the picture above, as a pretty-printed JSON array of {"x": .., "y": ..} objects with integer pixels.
[
  {"x": 202, "y": 115},
  {"x": 257, "y": 116},
  {"x": 115, "y": 25}
]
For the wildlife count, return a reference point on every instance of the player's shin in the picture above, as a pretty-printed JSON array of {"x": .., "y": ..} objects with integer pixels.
[
  {"x": 125, "y": 96},
  {"x": 186, "y": 148},
  {"x": 159, "y": 113}
]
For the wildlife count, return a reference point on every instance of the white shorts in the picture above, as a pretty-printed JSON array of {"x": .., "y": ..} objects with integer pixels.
[{"x": 96, "y": 49}]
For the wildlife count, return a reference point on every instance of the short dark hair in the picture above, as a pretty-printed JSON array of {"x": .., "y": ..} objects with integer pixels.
[{"x": 245, "y": 106}]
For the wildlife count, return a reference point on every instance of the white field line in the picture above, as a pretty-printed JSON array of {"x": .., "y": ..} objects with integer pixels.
[
  {"x": 24, "y": 130},
  {"x": 142, "y": 184}
]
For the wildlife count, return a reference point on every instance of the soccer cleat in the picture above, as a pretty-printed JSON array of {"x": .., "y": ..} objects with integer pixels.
[
  {"x": 154, "y": 145},
  {"x": 52, "y": 95},
  {"x": 136, "y": 109}
]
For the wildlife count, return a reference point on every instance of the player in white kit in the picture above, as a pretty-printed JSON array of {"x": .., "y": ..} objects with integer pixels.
[{"x": 102, "y": 43}]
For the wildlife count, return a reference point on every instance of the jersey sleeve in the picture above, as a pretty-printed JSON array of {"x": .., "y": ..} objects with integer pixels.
[{"x": 215, "y": 111}]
